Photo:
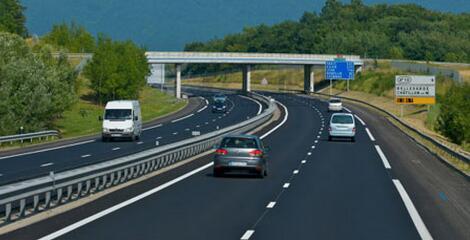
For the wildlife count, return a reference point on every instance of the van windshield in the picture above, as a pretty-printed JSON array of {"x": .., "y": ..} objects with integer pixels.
[
  {"x": 342, "y": 119},
  {"x": 118, "y": 114}
]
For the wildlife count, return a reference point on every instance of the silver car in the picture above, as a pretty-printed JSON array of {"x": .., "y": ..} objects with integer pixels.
[
  {"x": 342, "y": 125},
  {"x": 241, "y": 153},
  {"x": 334, "y": 104}
]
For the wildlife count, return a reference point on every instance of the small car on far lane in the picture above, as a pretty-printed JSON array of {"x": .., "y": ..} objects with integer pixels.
[{"x": 334, "y": 104}]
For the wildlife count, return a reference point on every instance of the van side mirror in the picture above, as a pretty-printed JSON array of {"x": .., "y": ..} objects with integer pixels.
[
  {"x": 136, "y": 118},
  {"x": 100, "y": 118}
]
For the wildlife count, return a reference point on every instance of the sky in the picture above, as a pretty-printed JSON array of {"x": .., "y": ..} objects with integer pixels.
[{"x": 167, "y": 25}]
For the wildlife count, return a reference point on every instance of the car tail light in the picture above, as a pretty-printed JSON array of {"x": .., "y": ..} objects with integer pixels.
[
  {"x": 256, "y": 153},
  {"x": 221, "y": 151}
]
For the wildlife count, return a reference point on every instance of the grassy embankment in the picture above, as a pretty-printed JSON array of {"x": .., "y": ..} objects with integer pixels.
[{"x": 82, "y": 118}]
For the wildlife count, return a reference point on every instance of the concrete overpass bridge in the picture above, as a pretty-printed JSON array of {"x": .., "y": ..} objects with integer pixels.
[{"x": 247, "y": 60}]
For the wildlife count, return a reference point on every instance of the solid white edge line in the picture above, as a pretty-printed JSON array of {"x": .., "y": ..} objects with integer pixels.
[
  {"x": 202, "y": 109},
  {"x": 347, "y": 109},
  {"x": 383, "y": 157},
  {"x": 418, "y": 222},
  {"x": 280, "y": 124},
  {"x": 247, "y": 235},
  {"x": 251, "y": 99},
  {"x": 152, "y": 127},
  {"x": 114, "y": 208},
  {"x": 48, "y": 149},
  {"x": 182, "y": 118},
  {"x": 207, "y": 102},
  {"x": 123, "y": 204},
  {"x": 360, "y": 120},
  {"x": 370, "y": 135}
]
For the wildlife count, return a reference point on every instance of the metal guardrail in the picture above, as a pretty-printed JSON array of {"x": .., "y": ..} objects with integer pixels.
[
  {"x": 438, "y": 144},
  {"x": 25, "y": 198},
  {"x": 28, "y": 136}
]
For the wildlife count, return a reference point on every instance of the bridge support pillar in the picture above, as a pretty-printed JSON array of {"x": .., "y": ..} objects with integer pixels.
[
  {"x": 309, "y": 79},
  {"x": 178, "y": 81},
  {"x": 246, "y": 85}
]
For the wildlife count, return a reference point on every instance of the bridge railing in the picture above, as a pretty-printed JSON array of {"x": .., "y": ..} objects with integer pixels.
[{"x": 25, "y": 198}]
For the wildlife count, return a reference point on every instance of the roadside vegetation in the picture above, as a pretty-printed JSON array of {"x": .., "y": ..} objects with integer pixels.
[
  {"x": 40, "y": 88},
  {"x": 398, "y": 31}
]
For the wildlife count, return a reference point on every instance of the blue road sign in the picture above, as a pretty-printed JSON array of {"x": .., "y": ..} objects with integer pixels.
[{"x": 343, "y": 70}]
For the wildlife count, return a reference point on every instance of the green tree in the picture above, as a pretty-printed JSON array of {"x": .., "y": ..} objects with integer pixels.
[
  {"x": 73, "y": 37},
  {"x": 12, "y": 18},
  {"x": 454, "y": 114},
  {"x": 34, "y": 89},
  {"x": 118, "y": 70}
]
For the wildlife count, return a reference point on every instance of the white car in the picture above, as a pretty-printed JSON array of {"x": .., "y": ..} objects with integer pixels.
[
  {"x": 342, "y": 125},
  {"x": 334, "y": 104},
  {"x": 122, "y": 119}
]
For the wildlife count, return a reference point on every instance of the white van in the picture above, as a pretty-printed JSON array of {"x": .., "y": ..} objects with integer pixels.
[{"x": 122, "y": 119}]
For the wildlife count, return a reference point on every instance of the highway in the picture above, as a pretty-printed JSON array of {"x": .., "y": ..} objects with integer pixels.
[
  {"x": 40, "y": 162},
  {"x": 383, "y": 186}
]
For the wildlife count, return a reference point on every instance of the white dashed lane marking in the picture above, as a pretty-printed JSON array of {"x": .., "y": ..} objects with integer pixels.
[
  {"x": 86, "y": 155},
  {"x": 271, "y": 204},
  {"x": 304, "y": 161},
  {"x": 116, "y": 148},
  {"x": 286, "y": 185},
  {"x": 382, "y": 156},
  {"x": 47, "y": 164},
  {"x": 360, "y": 120},
  {"x": 370, "y": 134},
  {"x": 140, "y": 142},
  {"x": 295, "y": 171},
  {"x": 247, "y": 235}
]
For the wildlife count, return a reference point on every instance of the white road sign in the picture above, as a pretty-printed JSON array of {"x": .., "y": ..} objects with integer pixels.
[{"x": 415, "y": 86}]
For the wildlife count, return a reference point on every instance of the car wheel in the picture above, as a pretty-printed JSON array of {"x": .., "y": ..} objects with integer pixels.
[{"x": 353, "y": 139}]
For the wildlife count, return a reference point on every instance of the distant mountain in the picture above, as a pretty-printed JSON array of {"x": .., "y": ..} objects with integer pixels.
[{"x": 170, "y": 24}]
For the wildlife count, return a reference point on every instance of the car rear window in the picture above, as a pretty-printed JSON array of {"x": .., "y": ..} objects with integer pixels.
[
  {"x": 335, "y": 101},
  {"x": 342, "y": 119},
  {"x": 239, "y": 142}
]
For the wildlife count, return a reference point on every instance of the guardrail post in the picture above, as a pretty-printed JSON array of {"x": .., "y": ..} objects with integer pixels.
[
  {"x": 118, "y": 178},
  {"x": 22, "y": 211},
  {"x": 47, "y": 201},
  {"x": 35, "y": 203},
  {"x": 69, "y": 193},
  {"x": 79, "y": 189},
  {"x": 96, "y": 186},
  {"x": 87, "y": 187},
  {"x": 59, "y": 196},
  {"x": 8, "y": 212},
  {"x": 103, "y": 184},
  {"x": 111, "y": 180}
]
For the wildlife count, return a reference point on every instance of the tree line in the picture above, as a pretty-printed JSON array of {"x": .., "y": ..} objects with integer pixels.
[
  {"x": 37, "y": 86},
  {"x": 404, "y": 31}
]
